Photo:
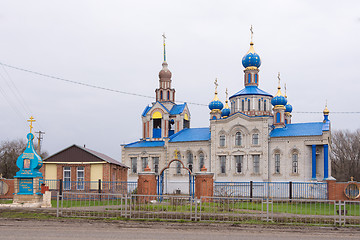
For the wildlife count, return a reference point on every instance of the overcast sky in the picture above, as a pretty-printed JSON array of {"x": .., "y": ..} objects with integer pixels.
[{"x": 118, "y": 45}]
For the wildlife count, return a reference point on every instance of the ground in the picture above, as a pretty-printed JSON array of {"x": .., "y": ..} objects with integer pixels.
[{"x": 20, "y": 228}]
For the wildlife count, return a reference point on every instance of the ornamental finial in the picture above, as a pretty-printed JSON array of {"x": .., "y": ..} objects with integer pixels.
[
  {"x": 279, "y": 80},
  {"x": 31, "y": 120},
  {"x": 164, "y": 37},
  {"x": 216, "y": 85},
  {"x": 252, "y": 33},
  {"x": 226, "y": 92},
  {"x": 285, "y": 90},
  {"x": 326, "y": 110}
]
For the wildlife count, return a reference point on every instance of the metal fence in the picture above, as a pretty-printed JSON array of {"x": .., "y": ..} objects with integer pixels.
[
  {"x": 291, "y": 190},
  {"x": 220, "y": 209}
]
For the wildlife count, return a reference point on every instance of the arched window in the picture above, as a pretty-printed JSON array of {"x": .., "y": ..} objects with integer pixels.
[
  {"x": 161, "y": 95},
  {"x": 201, "y": 160},
  {"x": 242, "y": 105},
  {"x": 256, "y": 78},
  {"x": 295, "y": 163},
  {"x": 255, "y": 139},
  {"x": 190, "y": 162},
  {"x": 248, "y": 104},
  {"x": 222, "y": 141},
  {"x": 277, "y": 117},
  {"x": 259, "y": 104},
  {"x": 277, "y": 162},
  {"x": 168, "y": 95},
  {"x": 238, "y": 139},
  {"x": 264, "y": 105},
  {"x": 178, "y": 168},
  {"x": 249, "y": 78}
]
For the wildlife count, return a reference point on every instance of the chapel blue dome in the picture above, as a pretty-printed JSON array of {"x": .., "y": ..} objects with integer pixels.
[
  {"x": 251, "y": 58},
  {"x": 278, "y": 100},
  {"x": 216, "y": 104},
  {"x": 288, "y": 108},
  {"x": 225, "y": 112}
]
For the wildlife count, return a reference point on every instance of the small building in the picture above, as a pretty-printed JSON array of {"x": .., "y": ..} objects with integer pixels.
[{"x": 84, "y": 167}]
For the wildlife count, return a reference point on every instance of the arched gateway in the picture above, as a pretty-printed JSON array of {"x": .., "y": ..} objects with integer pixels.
[{"x": 160, "y": 179}]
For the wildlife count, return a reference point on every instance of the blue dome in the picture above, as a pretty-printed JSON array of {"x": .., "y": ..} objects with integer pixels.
[
  {"x": 216, "y": 104},
  {"x": 225, "y": 112},
  {"x": 251, "y": 58},
  {"x": 278, "y": 100},
  {"x": 288, "y": 108}
]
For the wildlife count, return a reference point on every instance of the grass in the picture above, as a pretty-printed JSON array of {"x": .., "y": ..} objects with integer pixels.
[
  {"x": 6, "y": 201},
  {"x": 16, "y": 214}
]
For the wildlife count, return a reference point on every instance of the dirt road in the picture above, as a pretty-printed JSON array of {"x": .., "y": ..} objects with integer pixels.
[{"x": 98, "y": 229}]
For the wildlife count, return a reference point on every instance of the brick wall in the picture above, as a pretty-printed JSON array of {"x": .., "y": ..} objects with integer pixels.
[
  {"x": 10, "y": 193},
  {"x": 336, "y": 190}
]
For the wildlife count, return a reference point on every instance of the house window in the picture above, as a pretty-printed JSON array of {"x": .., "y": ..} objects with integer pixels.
[
  {"x": 255, "y": 139},
  {"x": 256, "y": 163},
  {"x": 277, "y": 163},
  {"x": 238, "y": 163},
  {"x": 222, "y": 164},
  {"x": 67, "y": 178},
  {"x": 190, "y": 161},
  {"x": 238, "y": 139},
  {"x": 80, "y": 173},
  {"x": 248, "y": 104},
  {"x": 178, "y": 167},
  {"x": 242, "y": 105},
  {"x": 222, "y": 140},
  {"x": 133, "y": 164},
  {"x": 201, "y": 160},
  {"x": 144, "y": 163},
  {"x": 295, "y": 163},
  {"x": 156, "y": 164}
]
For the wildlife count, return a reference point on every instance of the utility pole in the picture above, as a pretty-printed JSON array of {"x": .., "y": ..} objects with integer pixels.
[{"x": 40, "y": 138}]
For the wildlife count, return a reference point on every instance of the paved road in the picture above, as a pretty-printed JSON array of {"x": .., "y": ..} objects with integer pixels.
[{"x": 87, "y": 229}]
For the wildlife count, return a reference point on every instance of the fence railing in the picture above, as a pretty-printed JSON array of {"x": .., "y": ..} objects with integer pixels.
[
  {"x": 281, "y": 190},
  {"x": 220, "y": 209}
]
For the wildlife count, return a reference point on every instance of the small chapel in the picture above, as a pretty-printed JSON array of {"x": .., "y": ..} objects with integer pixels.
[{"x": 249, "y": 137}]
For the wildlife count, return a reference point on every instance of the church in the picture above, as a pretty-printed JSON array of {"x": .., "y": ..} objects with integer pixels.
[{"x": 253, "y": 139}]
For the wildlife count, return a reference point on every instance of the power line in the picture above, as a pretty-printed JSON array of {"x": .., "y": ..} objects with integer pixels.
[{"x": 128, "y": 93}]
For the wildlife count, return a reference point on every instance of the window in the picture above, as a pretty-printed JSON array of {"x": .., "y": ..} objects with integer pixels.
[
  {"x": 256, "y": 78},
  {"x": 190, "y": 161},
  {"x": 222, "y": 140},
  {"x": 168, "y": 95},
  {"x": 242, "y": 105},
  {"x": 238, "y": 163},
  {"x": 295, "y": 163},
  {"x": 249, "y": 78},
  {"x": 277, "y": 163},
  {"x": 67, "y": 178},
  {"x": 248, "y": 104},
  {"x": 144, "y": 163},
  {"x": 259, "y": 104},
  {"x": 255, "y": 139},
  {"x": 256, "y": 163},
  {"x": 156, "y": 164},
  {"x": 264, "y": 105},
  {"x": 201, "y": 160},
  {"x": 161, "y": 95},
  {"x": 178, "y": 167},
  {"x": 277, "y": 117},
  {"x": 80, "y": 178},
  {"x": 133, "y": 164},
  {"x": 238, "y": 139},
  {"x": 222, "y": 164}
]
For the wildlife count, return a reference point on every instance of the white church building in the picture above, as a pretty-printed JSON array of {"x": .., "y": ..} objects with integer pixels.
[{"x": 253, "y": 139}]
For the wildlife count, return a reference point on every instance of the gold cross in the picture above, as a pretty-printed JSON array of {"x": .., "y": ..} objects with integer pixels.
[
  {"x": 285, "y": 89},
  {"x": 216, "y": 85},
  {"x": 31, "y": 121},
  {"x": 279, "y": 78},
  {"x": 251, "y": 30},
  {"x": 164, "y": 37}
]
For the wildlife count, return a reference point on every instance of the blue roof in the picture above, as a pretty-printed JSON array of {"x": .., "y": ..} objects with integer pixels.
[
  {"x": 146, "y": 110},
  {"x": 251, "y": 90},
  {"x": 177, "y": 109},
  {"x": 298, "y": 129},
  {"x": 191, "y": 135},
  {"x": 145, "y": 144}
]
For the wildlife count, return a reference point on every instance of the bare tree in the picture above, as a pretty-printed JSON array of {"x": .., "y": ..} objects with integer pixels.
[{"x": 345, "y": 155}]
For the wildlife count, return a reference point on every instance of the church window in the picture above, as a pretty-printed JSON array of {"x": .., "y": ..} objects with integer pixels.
[
  {"x": 161, "y": 95},
  {"x": 264, "y": 105},
  {"x": 249, "y": 78},
  {"x": 133, "y": 164},
  {"x": 156, "y": 164},
  {"x": 157, "y": 117},
  {"x": 201, "y": 160},
  {"x": 295, "y": 163},
  {"x": 238, "y": 139},
  {"x": 256, "y": 163},
  {"x": 80, "y": 178},
  {"x": 256, "y": 78},
  {"x": 242, "y": 105},
  {"x": 190, "y": 161},
  {"x": 222, "y": 140},
  {"x": 178, "y": 168},
  {"x": 248, "y": 104},
  {"x": 144, "y": 163},
  {"x": 67, "y": 178},
  {"x": 277, "y": 163},
  {"x": 255, "y": 139},
  {"x": 277, "y": 117},
  {"x": 259, "y": 104},
  {"x": 168, "y": 95},
  {"x": 222, "y": 164},
  {"x": 239, "y": 163}
]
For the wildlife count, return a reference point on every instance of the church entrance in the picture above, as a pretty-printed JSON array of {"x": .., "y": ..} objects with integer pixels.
[{"x": 161, "y": 180}]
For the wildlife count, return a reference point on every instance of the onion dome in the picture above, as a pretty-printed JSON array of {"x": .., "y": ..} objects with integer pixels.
[
  {"x": 251, "y": 58},
  {"x": 326, "y": 110},
  {"x": 288, "y": 108},
  {"x": 216, "y": 104},
  {"x": 165, "y": 72},
  {"x": 226, "y": 111},
  {"x": 278, "y": 99}
]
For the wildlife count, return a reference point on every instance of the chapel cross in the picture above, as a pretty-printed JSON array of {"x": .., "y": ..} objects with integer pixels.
[
  {"x": 216, "y": 85},
  {"x": 164, "y": 37},
  {"x": 252, "y": 33},
  {"x": 31, "y": 121},
  {"x": 279, "y": 78},
  {"x": 226, "y": 92}
]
